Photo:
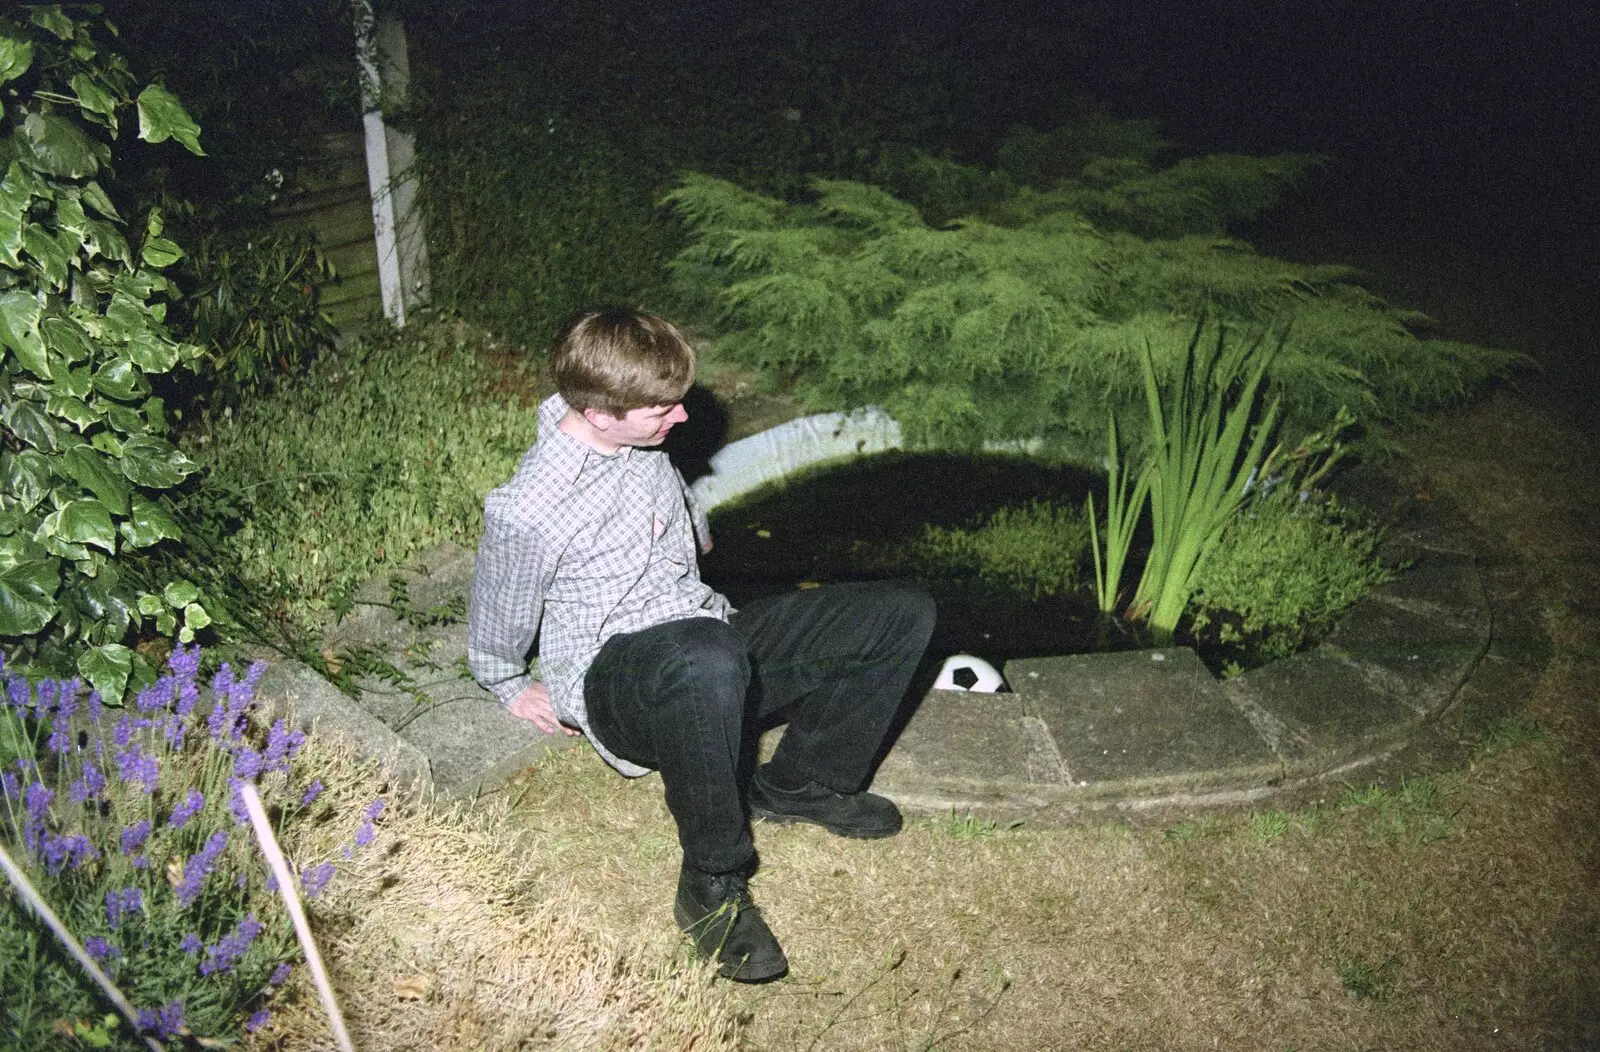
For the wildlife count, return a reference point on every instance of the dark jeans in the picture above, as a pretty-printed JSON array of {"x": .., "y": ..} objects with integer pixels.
[{"x": 678, "y": 697}]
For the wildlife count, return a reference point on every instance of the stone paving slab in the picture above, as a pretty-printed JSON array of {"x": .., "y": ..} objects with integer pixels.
[{"x": 1150, "y": 719}]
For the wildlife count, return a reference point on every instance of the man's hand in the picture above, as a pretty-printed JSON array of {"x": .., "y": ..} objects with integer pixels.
[{"x": 533, "y": 704}]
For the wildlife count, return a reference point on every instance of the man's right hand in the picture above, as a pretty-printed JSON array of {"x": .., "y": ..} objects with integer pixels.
[{"x": 533, "y": 704}]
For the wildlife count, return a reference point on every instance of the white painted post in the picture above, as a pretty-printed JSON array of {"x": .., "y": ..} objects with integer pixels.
[{"x": 396, "y": 222}]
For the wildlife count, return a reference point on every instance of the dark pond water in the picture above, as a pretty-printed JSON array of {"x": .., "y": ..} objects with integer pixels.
[{"x": 817, "y": 527}]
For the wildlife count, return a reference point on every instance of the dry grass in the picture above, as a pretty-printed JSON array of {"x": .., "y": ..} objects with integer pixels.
[{"x": 437, "y": 940}]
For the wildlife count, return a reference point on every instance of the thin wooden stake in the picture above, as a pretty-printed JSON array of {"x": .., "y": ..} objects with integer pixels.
[{"x": 291, "y": 899}]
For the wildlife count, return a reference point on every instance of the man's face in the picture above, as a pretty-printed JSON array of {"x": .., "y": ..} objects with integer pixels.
[{"x": 647, "y": 426}]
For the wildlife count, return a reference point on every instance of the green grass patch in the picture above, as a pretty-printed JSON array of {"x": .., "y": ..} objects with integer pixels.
[
  {"x": 1508, "y": 732},
  {"x": 383, "y": 450},
  {"x": 1415, "y": 813}
]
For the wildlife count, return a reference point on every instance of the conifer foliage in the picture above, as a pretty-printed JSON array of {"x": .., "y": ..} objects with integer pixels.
[{"x": 1026, "y": 318}]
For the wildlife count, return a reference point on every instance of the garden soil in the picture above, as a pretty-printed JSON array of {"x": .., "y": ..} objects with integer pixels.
[{"x": 1453, "y": 909}]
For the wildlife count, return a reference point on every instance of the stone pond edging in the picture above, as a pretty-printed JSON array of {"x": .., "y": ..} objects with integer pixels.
[{"x": 1122, "y": 734}]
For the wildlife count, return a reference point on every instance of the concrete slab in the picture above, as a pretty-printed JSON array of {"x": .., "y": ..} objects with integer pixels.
[
  {"x": 1419, "y": 655},
  {"x": 1331, "y": 709},
  {"x": 967, "y": 743},
  {"x": 1147, "y": 720}
]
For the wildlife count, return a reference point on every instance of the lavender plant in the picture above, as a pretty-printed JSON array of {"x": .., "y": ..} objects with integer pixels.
[{"x": 131, "y": 826}]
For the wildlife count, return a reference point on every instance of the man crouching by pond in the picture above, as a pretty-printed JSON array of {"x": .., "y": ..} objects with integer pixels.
[{"x": 591, "y": 548}]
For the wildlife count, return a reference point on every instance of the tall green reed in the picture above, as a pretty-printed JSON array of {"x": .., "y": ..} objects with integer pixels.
[{"x": 1200, "y": 465}]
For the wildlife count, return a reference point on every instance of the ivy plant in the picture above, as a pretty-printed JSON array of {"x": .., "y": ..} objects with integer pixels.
[{"x": 83, "y": 453}]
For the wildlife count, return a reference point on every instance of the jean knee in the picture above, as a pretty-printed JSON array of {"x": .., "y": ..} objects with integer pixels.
[{"x": 710, "y": 659}]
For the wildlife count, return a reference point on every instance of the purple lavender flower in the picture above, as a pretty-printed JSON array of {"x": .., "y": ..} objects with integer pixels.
[
  {"x": 80, "y": 851},
  {"x": 36, "y": 810},
  {"x": 218, "y": 719},
  {"x": 165, "y": 1023},
  {"x": 257, "y": 1021},
  {"x": 313, "y": 791},
  {"x": 19, "y": 691},
  {"x": 122, "y": 734},
  {"x": 222, "y": 682},
  {"x": 187, "y": 809},
  {"x": 96, "y": 706},
  {"x": 199, "y": 867},
  {"x": 136, "y": 765},
  {"x": 99, "y": 949},
  {"x": 280, "y": 974},
  {"x": 90, "y": 785},
  {"x": 373, "y": 810},
  {"x": 316, "y": 878},
  {"x": 155, "y": 696},
  {"x": 12, "y": 788},
  {"x": 61, "y": 720},
  {"x": 272, "y": 882},
  {"x": 184, "y": 661},
  {"x": 366, "y": 833},
  {"x": 174, "y": 733},
  {"x": 46, "y": 698},
  {"x": 120, "y": 903},
  {"x": 133, "y": 837},
  {"x": 223, "y": 954},
  {"x": 188, "y": 695},
  {"x": 241, "y": 814},
  {"x": 282, "y": 744},
  {"x": 246, "y": 762},
  {"x": 190, "y": 944}
]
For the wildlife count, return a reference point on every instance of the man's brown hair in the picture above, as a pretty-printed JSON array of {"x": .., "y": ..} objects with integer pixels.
[{"x": 614, "y": 359}]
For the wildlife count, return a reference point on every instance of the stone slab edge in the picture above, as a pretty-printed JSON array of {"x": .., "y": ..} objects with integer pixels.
[{"x": 295, "y": 691}]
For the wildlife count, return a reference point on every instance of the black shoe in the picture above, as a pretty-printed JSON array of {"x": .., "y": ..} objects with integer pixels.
[
  {"x": 716, "y": 911},
  {"x": 864, "y": 815}
]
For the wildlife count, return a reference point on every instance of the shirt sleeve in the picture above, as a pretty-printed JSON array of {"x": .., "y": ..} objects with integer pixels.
[
  {"x": 513, "y": 572},
  {"x": 697, "y": 514}
]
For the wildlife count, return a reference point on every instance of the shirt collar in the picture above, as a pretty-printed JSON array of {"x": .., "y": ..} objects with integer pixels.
[{"x": 562, "y": 452}]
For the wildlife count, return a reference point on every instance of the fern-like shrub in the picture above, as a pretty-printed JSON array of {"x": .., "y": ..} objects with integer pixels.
[
  {"x": 1024, "y": 320},
  {"x": 1284, "y": 569}
]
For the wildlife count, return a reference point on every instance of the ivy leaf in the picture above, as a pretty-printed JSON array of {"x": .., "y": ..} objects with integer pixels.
[
  {"x": 73, "y": 410},
  {"x": 104, "y": 239},
  {"x": 96, "y": 198},
  {"x": 59, "y": 147},
  {"x": 29, "y": 423},
  {"x": 150, "y": 605},
  {"x": 67, "y": 338},
  {"x": 107, "y": 668},
  {"x": 94, "y": 473},
  {"x": 180, "y": 593},
  {"x": 121, "y": 379},
  {"x": 159, "y": 252},
  {"x": 19, "y": 330},
  {"x": 154, "y": 462},
  {"x": 195, "y": 617},
  {"x": 82, "y": 522},
  {"x": 95, "y": 99},
  {"x": 26, "y": 476},
  {"x": 27, "y": 596},
  {"x": 162, "y": 117},
  {"x": 125, "y": 419},
  {"x": 151, "y": 353},
  {"x": 149, "y": 524},
  {"x": 47, "y": 253},
  {"x": 69, "y": 381},
  {"x": 49, "y": 16},
  {"x": 15, "y": 58}
]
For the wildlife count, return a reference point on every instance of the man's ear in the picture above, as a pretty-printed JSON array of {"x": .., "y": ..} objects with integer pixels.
[{"x": 598, "y": 420}]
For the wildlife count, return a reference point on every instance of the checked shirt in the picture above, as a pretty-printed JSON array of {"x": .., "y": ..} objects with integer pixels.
[{"x": 578, "y": 547}]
